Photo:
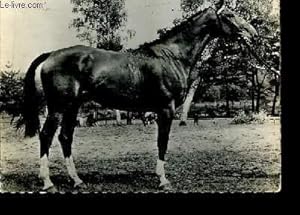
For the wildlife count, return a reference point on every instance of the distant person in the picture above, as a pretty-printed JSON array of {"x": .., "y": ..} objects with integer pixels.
[
  {"x": 90, "y": 120},
  {"x": 196, "y": 119}
]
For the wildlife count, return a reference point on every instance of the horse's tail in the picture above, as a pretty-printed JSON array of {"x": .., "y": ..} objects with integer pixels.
[{"x": 30, "y": 112}]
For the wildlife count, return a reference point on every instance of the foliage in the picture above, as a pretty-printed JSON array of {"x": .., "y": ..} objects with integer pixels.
[
  {"x": 99, "y": 22},
  {"x": 247, "y": 118},
  {"x": 231, "y": 67},
  {"x": 11, "y": 91},
  {"x": 242, "y": 118}
]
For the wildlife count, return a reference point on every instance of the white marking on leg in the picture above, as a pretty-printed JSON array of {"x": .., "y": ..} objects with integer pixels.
[
  {"x": 160, "y": 171},
  {"x": 44, "y": 172},
  {"x": 72, "y": 171}
]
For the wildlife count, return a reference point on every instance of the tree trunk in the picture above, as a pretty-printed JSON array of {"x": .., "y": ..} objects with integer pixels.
[
  {"x": 188, "y": 101},
  {"x": 258, "y": 101},
  {"x": 227, "y": 105},
  {"x": 118, "y": 117},
  {"x": 260, "y": 90},
  {"x": 275, "y": 99},
  {"x": 227, "y": 98},
  {"x": 252, "y": 101},
  {"x": 252, "y": 93},
  {"x": 274, "y": 105}
]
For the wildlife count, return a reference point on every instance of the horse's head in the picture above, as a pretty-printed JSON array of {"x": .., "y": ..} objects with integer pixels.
[
  {"x": 234, "y": 26},
  {"x": 222, "y": 20}
]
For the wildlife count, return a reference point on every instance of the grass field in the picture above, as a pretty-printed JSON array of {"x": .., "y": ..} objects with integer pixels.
[{"x": 214, "y": 156}]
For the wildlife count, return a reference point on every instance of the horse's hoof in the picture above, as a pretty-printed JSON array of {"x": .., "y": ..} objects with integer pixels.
[
  {"x": 80, "y": 185},
  {"x": 51, "y": 189},
  {"x": 47, "y": 185},
  {"x": 166, "y": 187}
]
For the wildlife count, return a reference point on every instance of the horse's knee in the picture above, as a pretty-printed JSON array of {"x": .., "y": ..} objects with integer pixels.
[
  {"x": 65, "y": 139},
  {"x": 66, "y": 143},
  {"x": 43, "y": 134},
  {"x": 46, "y": 135},
  {"x": 45, "y": 142}
]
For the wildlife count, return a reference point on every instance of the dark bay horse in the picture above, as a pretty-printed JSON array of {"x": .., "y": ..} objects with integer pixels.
[{"x": 153, "y": 78}]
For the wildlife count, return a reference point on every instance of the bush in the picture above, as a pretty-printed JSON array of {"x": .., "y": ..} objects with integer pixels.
[
  {"x": 243, "y": 118},
  {"x": 11, "y": 92},
  {"x": 260, "y": 117}
]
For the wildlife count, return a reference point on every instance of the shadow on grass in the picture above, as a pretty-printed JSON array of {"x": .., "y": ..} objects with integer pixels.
[{"x": 94, "y": 182}]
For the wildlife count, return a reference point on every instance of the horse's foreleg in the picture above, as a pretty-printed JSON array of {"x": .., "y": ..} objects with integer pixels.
[
  {"x": 66, "y": 138},
  {"x": 46, "y": 137},
  {"x": 72, "y": 171},
  {"x": 164, "y": 122}
]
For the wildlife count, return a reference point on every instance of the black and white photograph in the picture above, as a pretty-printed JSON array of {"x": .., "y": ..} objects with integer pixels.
[{"x": 140, "y": 96}]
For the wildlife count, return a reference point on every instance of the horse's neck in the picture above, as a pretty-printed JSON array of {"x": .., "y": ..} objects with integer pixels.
[{"x": 185, "y": 47}]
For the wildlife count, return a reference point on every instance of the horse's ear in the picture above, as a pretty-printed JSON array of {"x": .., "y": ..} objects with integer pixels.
[{"x": 85, "y": 62}]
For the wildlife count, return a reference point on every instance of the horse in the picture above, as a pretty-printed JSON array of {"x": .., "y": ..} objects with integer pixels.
[{"x": 153, "y": 77}]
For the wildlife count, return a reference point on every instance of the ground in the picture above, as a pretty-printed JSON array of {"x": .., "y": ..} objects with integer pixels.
[{"x": 214, "y": 156}]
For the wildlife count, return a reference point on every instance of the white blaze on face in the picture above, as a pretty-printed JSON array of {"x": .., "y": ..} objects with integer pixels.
[{"x": 44, "y": 172}]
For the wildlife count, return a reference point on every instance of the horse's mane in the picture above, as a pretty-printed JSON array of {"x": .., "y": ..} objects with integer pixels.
[{"x": 171, "y": 32}]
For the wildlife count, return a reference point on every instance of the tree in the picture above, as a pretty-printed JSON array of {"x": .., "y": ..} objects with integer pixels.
[
  {"x": 198, "y": 73},
  {"x": 266, "y": 21},
  {"x": 264, "y": 78},
  {"x": 262, "y": 16},
  {"x": 11, "y": 92},
  {"x": 100, "y": 22}
]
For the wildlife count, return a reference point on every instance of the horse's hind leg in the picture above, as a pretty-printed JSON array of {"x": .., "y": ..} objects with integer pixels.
[
  {"x": 46, "y": 137},
  {"x": 66, "y": 138}
]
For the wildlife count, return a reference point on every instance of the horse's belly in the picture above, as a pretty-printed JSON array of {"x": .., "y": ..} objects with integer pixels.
[{"x": 123, "y": 98}]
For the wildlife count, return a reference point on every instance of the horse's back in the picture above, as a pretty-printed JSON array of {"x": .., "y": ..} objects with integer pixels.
[
  {"x": 68, "y": 57},
  {"x": 117, "y": 79}
]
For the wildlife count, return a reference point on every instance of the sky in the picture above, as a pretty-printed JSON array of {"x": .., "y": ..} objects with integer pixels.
[{"x": 26, "y": 33}]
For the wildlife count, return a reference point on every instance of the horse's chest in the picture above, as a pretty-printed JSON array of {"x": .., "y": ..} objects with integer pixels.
[{"x": 174, "y": 76}]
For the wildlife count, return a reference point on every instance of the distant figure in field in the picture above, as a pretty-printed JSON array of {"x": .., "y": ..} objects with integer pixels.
[
  {"x": 91, "y": 119},
  {"x": 148, "y": 118},
  {"x": 196, "y": 119}
]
